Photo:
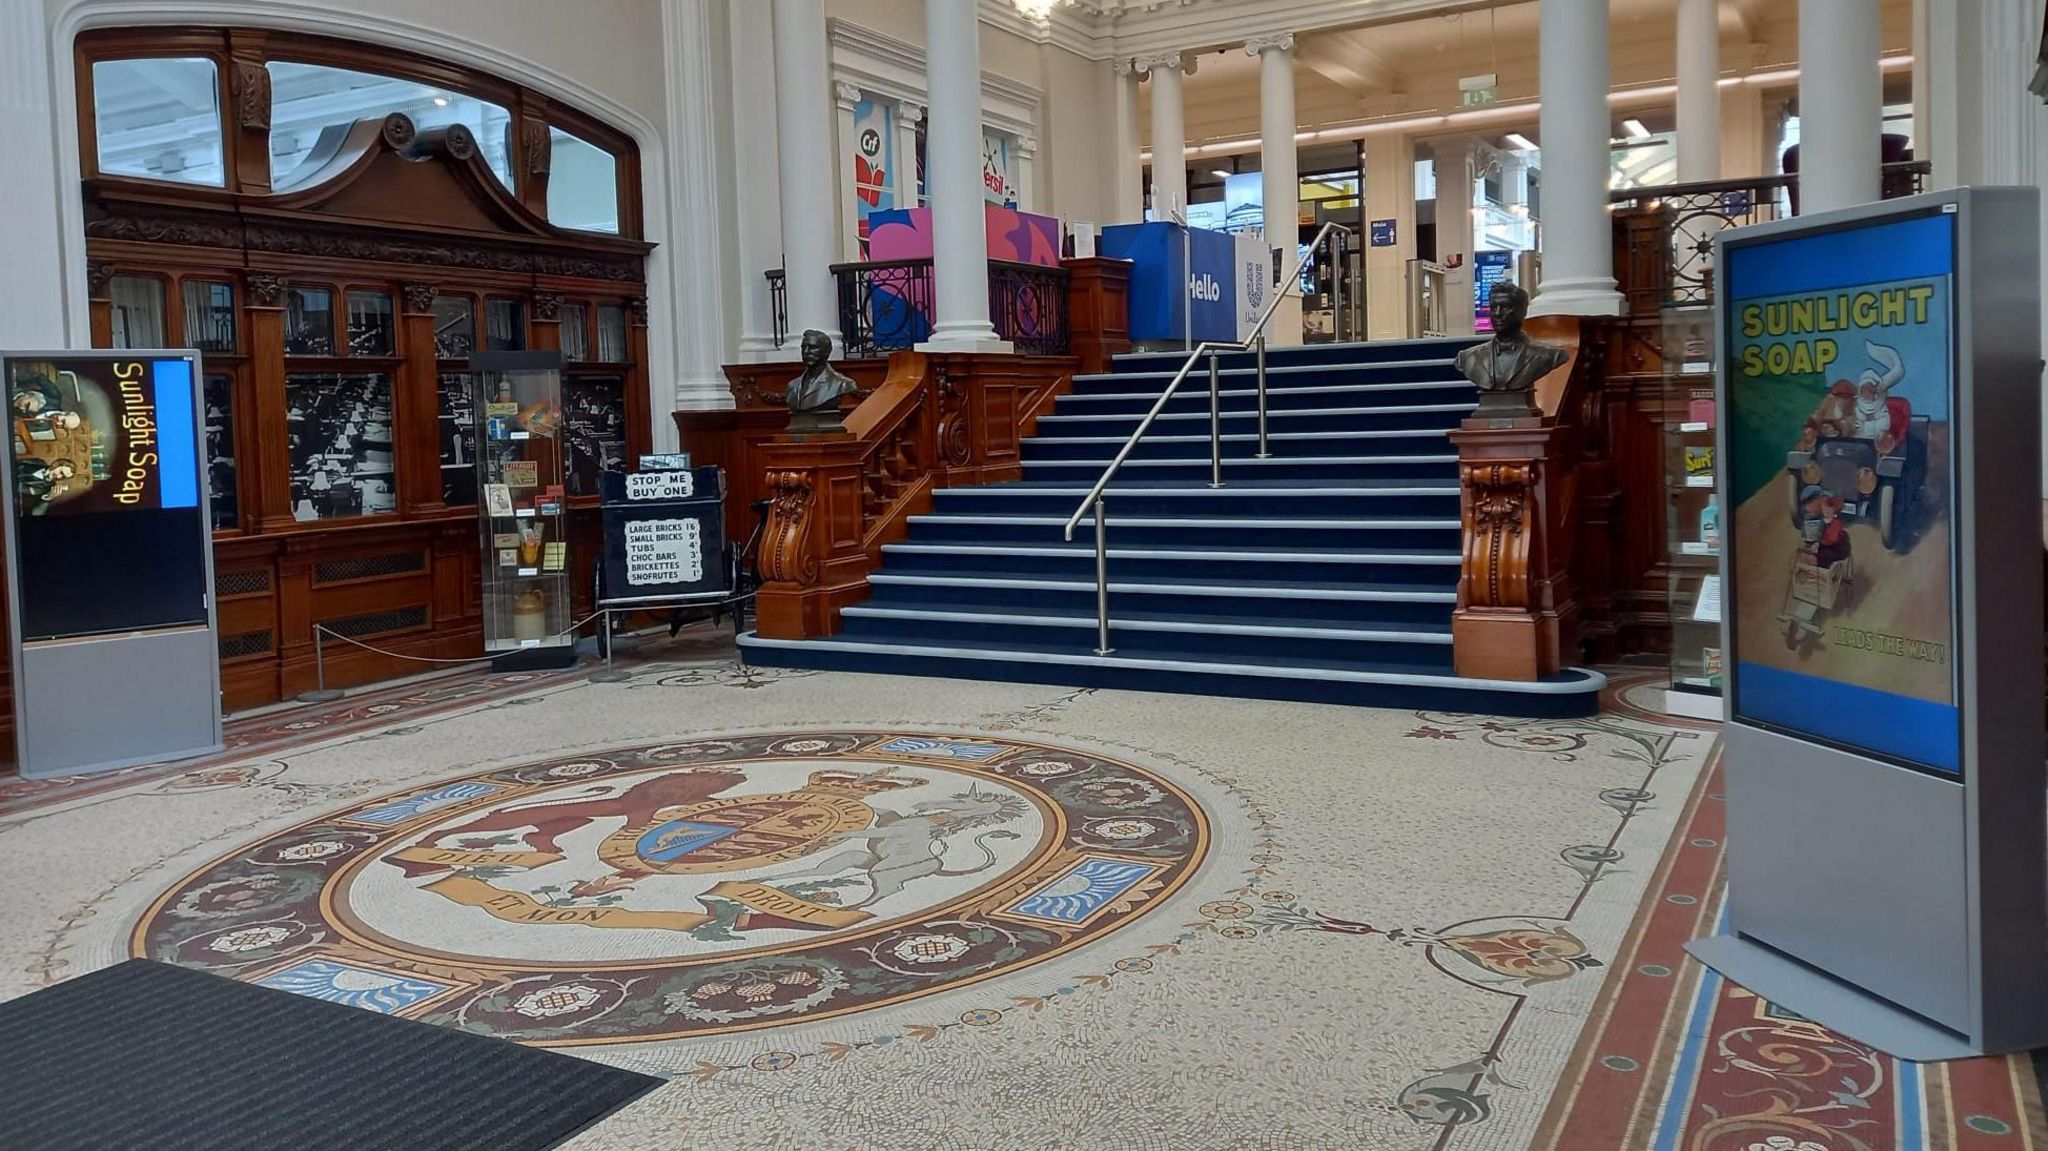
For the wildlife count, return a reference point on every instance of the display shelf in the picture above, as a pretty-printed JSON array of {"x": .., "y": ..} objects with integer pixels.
[
  {"x": 522, "y": 504},
  {"x": 1692, "y": 513}
]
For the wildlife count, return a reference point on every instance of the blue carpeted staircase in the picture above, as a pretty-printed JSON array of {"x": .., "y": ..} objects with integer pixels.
[{"x": 1327, "y": 573}]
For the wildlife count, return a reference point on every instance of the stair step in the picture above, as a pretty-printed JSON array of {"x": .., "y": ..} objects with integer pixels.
[
  {"x": 1367, "y": 606},
  {"x": 1344, "y": 354},
  {"x": 1335, "y": 468},
  {"x": 1436, "y": 399},
  {"x": 1054, "y": 560},
  {"x": 1574, "y": 693},
  {"x": 1286, "y": 533},
  {"x": 1134, "y": 494},
  {"x": 1240, "y": 445},
  {"x": 1389, "y": 376}
]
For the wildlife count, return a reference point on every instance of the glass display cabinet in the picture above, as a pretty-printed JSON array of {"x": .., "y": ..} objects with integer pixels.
[
  {"x": 1692, "y": 511},
  {"x": 522, "y": 507}
]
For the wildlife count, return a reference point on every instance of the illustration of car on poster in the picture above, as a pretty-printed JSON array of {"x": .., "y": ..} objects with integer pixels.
[{"x": 1866, "y": 445}]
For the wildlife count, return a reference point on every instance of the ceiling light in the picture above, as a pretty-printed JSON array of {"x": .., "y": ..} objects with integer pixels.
[
  {"x": 440, "y": 101},
  {"x": 1635, "y": 129},
  {"x": 1520, "y": 143},
  {"x": 1223, "y": 172}
]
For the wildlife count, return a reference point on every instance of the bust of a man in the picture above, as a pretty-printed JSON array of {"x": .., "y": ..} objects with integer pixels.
[
  {"x": 814, "y": 396},
  {"x": 1507, "y": 366}
]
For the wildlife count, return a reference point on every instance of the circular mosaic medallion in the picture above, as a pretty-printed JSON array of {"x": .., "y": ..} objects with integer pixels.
[{"x": 693, "y": 888}]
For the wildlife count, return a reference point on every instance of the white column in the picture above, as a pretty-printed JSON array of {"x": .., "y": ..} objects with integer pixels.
[
  {"x": 844, "y": 97},
  {"x": 1699, "y": 91},
  {"x": 1578, "y": 242},
  {"x": 701, "y": 246},
  {"x": 1129, "y": 163},
  {"x": 1841, "y": 103},
  {"x": 953, "y": 175},
  {"x": 1281, "y": 186},
  {"x": 810, "y": 193},
  {"x": 1389, "y": 195},
  {"x": 1169, "y": 136},
  {"x": 1027, "y": 173},
  {"x": 1986, "y": 128},
  {"x": 32, "y": 294},
  {"x": 1455, "y": 200},
  {"x": 908, "y": 117},
  {"x": 755, "y": 177}
]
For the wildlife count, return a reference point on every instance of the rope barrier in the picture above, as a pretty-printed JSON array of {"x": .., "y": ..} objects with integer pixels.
[{"x": 322, "y": 693}]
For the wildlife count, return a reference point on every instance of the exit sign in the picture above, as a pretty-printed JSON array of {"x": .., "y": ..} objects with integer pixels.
[{"x": 1478, "y": 91}]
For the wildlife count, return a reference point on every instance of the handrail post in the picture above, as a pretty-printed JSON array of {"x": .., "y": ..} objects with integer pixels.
[
  {"x": 1215, "y": 423},
  {"x": 1101, "y": 581},
  {"x": 1260, "y": 348}
]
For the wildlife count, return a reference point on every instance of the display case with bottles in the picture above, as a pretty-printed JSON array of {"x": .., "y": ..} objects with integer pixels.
[
  {"x": 1692, "y": 511},
  {"x": 522, "y": 506}
]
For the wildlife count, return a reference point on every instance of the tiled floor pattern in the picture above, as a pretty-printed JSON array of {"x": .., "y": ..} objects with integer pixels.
[{"x": 1396, "y": 940}]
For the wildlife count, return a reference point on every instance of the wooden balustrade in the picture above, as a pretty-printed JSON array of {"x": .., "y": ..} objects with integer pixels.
[{"x": 834, "y": 501}]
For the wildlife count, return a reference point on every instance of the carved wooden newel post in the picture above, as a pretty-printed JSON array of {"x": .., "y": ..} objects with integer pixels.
[
  {"x": 812, "y": 562},
  {"x": 1517, "y": 618}
]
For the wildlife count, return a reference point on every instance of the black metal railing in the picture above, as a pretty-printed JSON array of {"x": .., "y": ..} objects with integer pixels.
[
  {"x": 1027, "y": 303},
  {"x": 778, "y": 305},
  {"x": 884, "y": 305},
  {"x": 1689, "y": 216}
]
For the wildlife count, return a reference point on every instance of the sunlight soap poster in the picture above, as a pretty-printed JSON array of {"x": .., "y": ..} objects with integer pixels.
[{"x": 1841, "y": 378}]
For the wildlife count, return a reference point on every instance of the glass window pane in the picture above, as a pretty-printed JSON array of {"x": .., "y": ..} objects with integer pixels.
[
  {"x": 210, "y": 316},
  {"x": 158, "y": 119},
  {"x": 611, "y": 333},
  {"x": 308, "y": 322},
  {"x": 454, "y": 327},
  {"x": 370, "y": 321},
  {"x": 583, "y": 184},
  {"x": 220, "y": 450},
  {"x": 458, "y": 438},
  {"x": 138, "y": 311},
  {"x": 575, "y": 332},
  {"x": 594, "y": 423},
  {"x": 340, "y": 442},
  {"x": 504, "y": 325},
  {"x": 309, "y": 99}
]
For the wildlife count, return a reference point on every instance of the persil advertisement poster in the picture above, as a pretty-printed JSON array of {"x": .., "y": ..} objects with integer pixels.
[{"x": 1840, "y": 363}]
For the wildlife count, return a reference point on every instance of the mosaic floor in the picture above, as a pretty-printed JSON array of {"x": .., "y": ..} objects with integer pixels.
[{"x": 844, "y": 911}]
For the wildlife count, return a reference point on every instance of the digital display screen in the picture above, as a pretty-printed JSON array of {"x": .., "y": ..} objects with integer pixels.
[
  {"x": 106, "y": 467},
  {"x": 1841, "y": 384}
]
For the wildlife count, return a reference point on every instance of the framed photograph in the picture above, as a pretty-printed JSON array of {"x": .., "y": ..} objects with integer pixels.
[{"x": 498, "y": 499}]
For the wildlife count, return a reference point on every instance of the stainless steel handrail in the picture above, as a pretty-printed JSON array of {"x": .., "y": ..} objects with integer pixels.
[{"x": 1257, "y": 340}]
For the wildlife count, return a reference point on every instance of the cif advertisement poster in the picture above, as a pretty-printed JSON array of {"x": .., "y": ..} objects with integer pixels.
[
  {"x": 1840, "y": 366},
  {"x": 106, "y": 466},
  {"x": 874, "y": 162}
]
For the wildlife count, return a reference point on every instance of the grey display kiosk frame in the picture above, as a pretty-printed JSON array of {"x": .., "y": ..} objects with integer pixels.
[
  {"x": 1900, "y": 906},
  {"x": 98, "y": 702}
]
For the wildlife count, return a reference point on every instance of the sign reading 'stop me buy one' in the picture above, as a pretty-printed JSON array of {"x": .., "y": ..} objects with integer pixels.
[{"x": 676, "y": 485}]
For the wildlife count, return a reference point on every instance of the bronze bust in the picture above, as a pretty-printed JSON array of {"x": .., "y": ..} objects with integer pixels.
[
  {"x": 814, "y": 396},
  {"x": 1507, "y": 367}
]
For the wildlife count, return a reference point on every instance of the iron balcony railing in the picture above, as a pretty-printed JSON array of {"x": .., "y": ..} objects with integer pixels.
[
  {"x": 890, "y": 305},
  {"x": 1256, "y": 342},
  {"x": 1694, "y": 213}
]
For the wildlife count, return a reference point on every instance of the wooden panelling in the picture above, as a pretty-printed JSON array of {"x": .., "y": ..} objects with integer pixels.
[{"x": 389, "y": 208}]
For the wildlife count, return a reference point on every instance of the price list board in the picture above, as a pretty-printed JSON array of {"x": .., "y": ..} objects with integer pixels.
[{"x": 663, "y": 536}]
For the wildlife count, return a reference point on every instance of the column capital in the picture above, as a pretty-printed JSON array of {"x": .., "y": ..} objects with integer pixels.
[
  {"x": 1271, "y": 42},
  {"x": 1172, "y": 61},
  {"x": 847, "y": 95},
  {"x": 909, "y": 112}
]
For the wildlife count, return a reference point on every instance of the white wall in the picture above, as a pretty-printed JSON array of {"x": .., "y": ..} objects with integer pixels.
[{"x": 1073, "y": 174}]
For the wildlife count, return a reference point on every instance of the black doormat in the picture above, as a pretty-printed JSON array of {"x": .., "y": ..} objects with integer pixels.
[{"x": 149, "y": 1055}]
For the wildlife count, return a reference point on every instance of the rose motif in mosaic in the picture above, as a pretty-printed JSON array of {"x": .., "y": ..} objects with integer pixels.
[{"x": 693, "y": 888}]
